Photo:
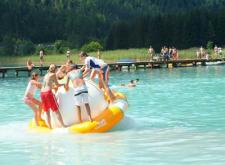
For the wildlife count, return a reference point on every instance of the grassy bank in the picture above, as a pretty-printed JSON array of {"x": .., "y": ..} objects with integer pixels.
[{"x": 108, "y": 56}]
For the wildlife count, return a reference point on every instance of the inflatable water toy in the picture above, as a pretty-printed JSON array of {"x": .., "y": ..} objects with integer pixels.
[{"x": 105, "y": 115}]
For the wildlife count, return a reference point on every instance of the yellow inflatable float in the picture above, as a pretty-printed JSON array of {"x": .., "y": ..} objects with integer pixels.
[{"x": 105, "y": 116}]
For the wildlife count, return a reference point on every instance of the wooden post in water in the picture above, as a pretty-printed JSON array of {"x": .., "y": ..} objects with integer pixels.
[
  {"x": 144, "y": 66},
  {"x": 203, "y": 63},
  {"x": 29, "y": 72},
  {"x": 40, "y": 70},
  {"x": 136, "y": 66},
  {"x": 120, "y": 67},
  {"x": 174, "y": 64},
  {"x": 3, "y": 73},
  {"x": 169, "y": 65},
  {"x": 17, "y": 73}
]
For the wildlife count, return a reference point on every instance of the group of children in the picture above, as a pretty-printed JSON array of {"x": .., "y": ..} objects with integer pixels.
[{"x": 92, "y": 66}]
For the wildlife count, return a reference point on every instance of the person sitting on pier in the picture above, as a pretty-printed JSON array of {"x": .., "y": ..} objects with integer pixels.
[
  {"x": 29, "y": 99},
  {"x": 30, "y": 65},
  {"x": 175, "y": 54},
  {"x": 80, "y": 90},
  {"x": 48, "y": 98},
  {"x": 220, "y": 52},
  {"x": 94, "y": 66}
]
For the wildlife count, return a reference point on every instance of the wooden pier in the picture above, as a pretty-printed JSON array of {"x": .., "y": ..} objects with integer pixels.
[{"x": 119, "y": 65}]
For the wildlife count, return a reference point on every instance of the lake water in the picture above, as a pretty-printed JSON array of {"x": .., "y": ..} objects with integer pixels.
[{"x": 175, "y": 117}]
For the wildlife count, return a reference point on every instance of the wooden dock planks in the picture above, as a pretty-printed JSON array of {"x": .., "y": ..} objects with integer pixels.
[{"x": 119, "y": 65}]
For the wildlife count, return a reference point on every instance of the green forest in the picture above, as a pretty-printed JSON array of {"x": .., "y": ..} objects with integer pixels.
[{"x": 115, "y": 24}]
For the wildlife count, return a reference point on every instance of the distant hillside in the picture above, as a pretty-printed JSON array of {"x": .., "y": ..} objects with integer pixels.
[{"x": 114, "y": 23}]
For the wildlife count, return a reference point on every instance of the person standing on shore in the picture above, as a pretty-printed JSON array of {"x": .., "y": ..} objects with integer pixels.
[
  {"x": 68, "y": 54},
  {"x": 198, "y": 54},
  {"x": 98, "y": 54},
  {"x": 202, "y": 52},
  {"x": 151, "y": 53},
  {"x": 41, "y": 56},
  {"x": 175, "y": 54},
  {"x": 30, "y": 65}
]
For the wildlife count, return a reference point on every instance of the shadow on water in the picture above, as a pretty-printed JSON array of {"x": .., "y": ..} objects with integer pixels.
[{"x": 126, "y": 124}]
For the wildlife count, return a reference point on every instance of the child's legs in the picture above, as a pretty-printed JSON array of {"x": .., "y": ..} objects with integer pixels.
[
  {"x": 49, "y": 119},
  {"x": 93, "y": 74},
  {"x": 106, "y": 76},
  {"x": 38, "y": 103},
  {"x": 79, "y": 113},
  {"x": 88, "y": 109},
  {"x": 59, "y": 117},
  {"x": 100, "y": 83},
  {"x": 34, "y": 108}
]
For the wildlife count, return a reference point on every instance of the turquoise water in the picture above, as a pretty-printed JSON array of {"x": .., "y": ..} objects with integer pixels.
[{"x": 175, "y": 117}]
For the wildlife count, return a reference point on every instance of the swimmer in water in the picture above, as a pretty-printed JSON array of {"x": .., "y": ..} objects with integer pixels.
[{"x": 131, "y": 84}]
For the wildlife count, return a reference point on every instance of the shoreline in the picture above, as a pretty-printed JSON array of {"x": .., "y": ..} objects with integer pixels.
[{"x": 109, "y": 56}]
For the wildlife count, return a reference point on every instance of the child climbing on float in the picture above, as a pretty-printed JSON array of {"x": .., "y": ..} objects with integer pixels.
[
  {"x": 93, "y": 65},
  {"x": 80, "y": 90},
  {"x": 106, "y": 89},
  {"x": 29, "y": 99},
  {"x": 97, "y": 66},
  {"x": 48, "y": 98}
]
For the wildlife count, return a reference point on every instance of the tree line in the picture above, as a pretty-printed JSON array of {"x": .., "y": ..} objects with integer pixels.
[{"x": 116, "y": 24}]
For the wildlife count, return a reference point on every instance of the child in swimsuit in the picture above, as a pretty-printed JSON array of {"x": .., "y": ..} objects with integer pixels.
[
  {"x": 48, "y": 98},
  {"x": 80, "y": 90},
  {"x": 29, "y": 99},
  {"x": 98, "y": 67}
]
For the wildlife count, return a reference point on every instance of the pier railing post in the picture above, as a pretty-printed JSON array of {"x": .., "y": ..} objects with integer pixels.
[
  {"x": 203, "y": 63},
  {"x": 29, "y": 72}
]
